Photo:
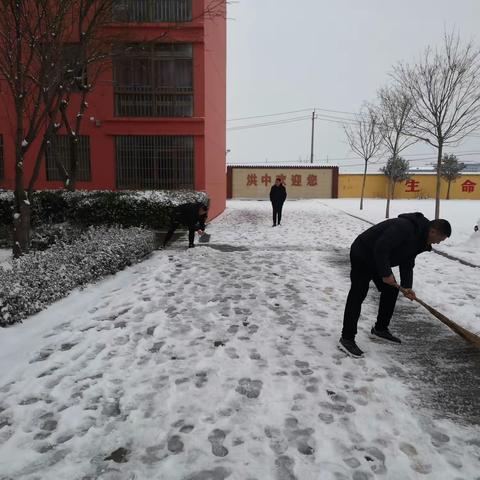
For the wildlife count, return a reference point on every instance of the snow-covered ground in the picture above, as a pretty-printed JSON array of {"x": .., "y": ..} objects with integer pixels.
[
  {"x": 5, "y": 256},
  {"x": 221, "y": 362}
]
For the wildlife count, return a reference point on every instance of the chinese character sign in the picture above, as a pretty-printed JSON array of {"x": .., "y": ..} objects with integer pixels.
[
  {"x": 266, "y": 180},
  {"x": 251, "y": 180},
  {"x": 468, "y": 186},
  {"x": 296, "y": 180},
  {"x": 256, "y": 182},
  {"x": 312, "y": 180},
  {"x": 412, "y": 186}
]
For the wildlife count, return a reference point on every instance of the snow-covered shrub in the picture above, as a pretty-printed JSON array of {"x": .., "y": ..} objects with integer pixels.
[
  {"x": 127, "y": 208},
  {"x": 38, "y": 279},
  {"x": 6, "y": 207},
  {"x": 45, "y": 235}
]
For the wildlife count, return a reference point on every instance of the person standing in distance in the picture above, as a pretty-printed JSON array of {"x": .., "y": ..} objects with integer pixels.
[
  {"x": 278, "y": 195},
  {"x": 393, "y": 242}
]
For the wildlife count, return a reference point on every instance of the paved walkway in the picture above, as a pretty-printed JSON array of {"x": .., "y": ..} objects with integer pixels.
[{"x": 221, "y": 362}]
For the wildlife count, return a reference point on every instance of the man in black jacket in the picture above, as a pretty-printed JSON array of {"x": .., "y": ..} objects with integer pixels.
[
  {"x": 278, "y": 195},
  {"x": 394, "y": 242},
  {"x": 191, "y": 215}
]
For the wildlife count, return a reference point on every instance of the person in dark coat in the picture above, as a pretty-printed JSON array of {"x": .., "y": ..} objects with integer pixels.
[
  {"x": 394, "y": 242},
  {"x": 191, "y": 215},
  {"x": 278, "y": 195}
]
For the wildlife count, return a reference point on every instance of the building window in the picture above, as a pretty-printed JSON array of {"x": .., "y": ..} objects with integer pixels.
[
  {"x": 154, "y": 80},
  {"x": 2, "y": 167},
  {"x": 155, "y": 162},
  {"x": 59, "y": 152},
  {"x": 154, "y": 11}
]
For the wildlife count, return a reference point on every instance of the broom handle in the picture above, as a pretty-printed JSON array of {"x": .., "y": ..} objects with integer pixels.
[{"x": 469, "y": 336}]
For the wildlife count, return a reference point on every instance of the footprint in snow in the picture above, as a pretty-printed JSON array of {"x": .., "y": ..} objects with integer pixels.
[
  {"x": 284, "y": 468},
  {"x": 175, "y": 444},
  {"x": 249, "y": 388},
  {"x": 216, "y": 438}
]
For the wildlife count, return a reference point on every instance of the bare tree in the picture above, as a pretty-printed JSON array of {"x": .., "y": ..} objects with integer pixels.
[
  {"x": 30, "y": 33},
  {"x": 364, "y": 139},
  {"x": 444, "y": 88},
  {"x": 450, "y": 169},
  {"x": 393, "y": 113}
]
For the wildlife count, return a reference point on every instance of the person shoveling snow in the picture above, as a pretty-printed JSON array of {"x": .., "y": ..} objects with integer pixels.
[
  {"x": 193, "y": 216},
  {"x": 393, "y": 242}
]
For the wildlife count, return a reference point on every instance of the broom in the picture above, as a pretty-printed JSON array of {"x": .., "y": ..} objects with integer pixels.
[{"x": 464, "y": 333}]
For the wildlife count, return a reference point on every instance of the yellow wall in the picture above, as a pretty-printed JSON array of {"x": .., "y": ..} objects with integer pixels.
[
  {"x": 256, "y": 182},
  {"x": 350, "y": 186}
]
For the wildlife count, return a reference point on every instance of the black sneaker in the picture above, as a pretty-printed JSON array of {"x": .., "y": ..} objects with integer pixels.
[
  {"x": 385, "y": 335},
  {"x": 191, "y": 245},
  {"x": 350, "y": 348},
  {"x": 274, "y": 225}
]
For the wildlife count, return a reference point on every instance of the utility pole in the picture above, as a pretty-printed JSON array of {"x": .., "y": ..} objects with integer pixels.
[{"x": 313, "y": 136}]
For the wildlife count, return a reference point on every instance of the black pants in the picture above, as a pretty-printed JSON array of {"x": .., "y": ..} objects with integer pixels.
[
  {"x": 173, "y": 227},
  {"x": 360, "y": 276},
  {"x": 277, "y": 213}
]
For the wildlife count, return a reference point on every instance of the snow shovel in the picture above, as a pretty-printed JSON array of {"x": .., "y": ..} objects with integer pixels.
[{"x": 464, "y": 333}]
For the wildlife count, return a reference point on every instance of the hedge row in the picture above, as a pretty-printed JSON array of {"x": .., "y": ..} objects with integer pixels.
[
  {"x": 36, "y": 280},
  {"x": 127, "y": 208}
]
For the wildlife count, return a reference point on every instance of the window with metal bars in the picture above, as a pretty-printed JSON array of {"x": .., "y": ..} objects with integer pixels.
[
  {"x": 155, "y": 162},
  {"x": 2, "y": 167},
  {"x": 153, "y": 80},
  {"x": 59, "y": 152},
  {"x": 155, "y": 11}
]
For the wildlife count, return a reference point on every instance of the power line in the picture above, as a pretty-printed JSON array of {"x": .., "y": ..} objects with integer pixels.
[
  {"x": 324, "y": 118},
  {"x": 269, "y": 115},
  {"x": 269, "y": 124},
  {"x": 292, "y": 111}
]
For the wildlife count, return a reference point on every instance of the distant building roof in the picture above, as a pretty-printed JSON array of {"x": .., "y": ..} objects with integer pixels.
[
  {"x": 471, "y": 167},
  {"x": 424, "y": 168},
  {"x": 280, "y": 165}
]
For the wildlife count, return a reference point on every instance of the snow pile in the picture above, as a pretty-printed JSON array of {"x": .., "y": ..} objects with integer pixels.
[{"x": 37, "y": 280}]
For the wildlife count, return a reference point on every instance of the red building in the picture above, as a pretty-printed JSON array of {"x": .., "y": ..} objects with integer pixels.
[{"x": 157, "y": 117}]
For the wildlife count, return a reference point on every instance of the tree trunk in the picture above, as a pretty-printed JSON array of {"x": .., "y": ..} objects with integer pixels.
[
  {"x": 393, "y": 189},
  {"x": 437, "y": 191},
  {"x": 36, "y": 168},
  {"x": 21, "y": 213},
  {"x": 363, "y": 184},
  {"x": 389, "y": 189},
  {"x": 448, "y": 190}
]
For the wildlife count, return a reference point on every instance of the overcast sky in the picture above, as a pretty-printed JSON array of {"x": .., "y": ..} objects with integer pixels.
[{"x": 294, "y": 55}]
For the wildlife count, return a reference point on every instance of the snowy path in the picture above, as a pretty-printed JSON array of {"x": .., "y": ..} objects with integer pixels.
[{"x": 221, "y": 362}]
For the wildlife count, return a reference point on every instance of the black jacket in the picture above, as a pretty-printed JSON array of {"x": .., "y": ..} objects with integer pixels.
[
  {"x": 394, "y": 242},
  {"x": 278, "y": 194},
  {"x": 188, "y": 215}
]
